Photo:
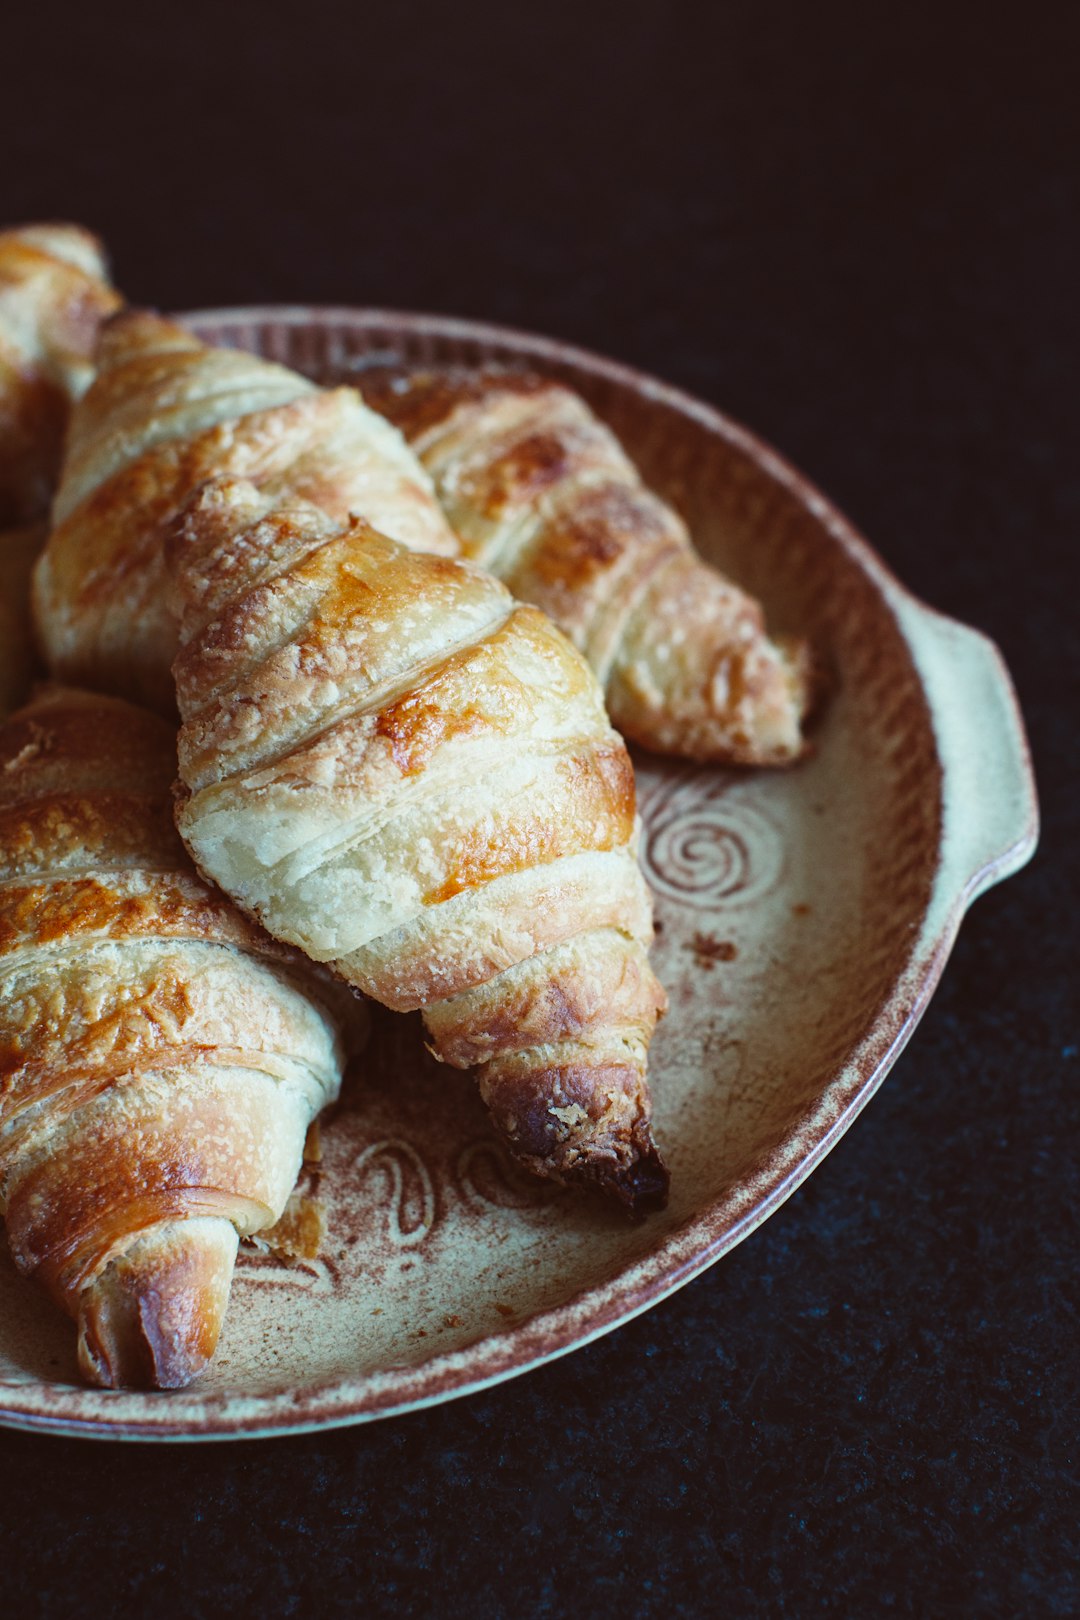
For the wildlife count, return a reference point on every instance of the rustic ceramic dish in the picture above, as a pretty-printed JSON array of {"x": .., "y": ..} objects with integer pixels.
[{"x": 804, "y": 919}]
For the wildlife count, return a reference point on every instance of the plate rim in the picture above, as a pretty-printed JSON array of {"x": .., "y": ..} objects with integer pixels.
[{"x": 714, "y": 1230}]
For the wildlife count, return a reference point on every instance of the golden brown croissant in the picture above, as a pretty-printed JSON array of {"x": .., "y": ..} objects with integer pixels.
[
  {"x": 166, "y": 412},
  {"x": 541, "y": 494},
  {"x": 160, "y": 1057},
  {"x": 54, "y": 295},
  {"x": 18, "y": 661},
  {"x": 398, "y": 768}
]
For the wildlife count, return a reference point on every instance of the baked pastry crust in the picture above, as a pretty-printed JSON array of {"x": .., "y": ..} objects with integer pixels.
[
  {"x": 161, "y": 1058},
  {"x": 410, "y": 776},
  {"x": 54, "y": 295},
  {"x": 543, "y": 495},
  {"x": 165, "y": 413}
]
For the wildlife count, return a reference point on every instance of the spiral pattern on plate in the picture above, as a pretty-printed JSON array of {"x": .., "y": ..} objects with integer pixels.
[{"x": 711, "y": 852}]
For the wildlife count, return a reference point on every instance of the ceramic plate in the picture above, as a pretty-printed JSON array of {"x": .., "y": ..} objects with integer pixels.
[{"x": 803, "y": 918}]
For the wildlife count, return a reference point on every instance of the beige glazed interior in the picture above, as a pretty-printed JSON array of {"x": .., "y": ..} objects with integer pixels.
[{"x": 803, "y": 920}]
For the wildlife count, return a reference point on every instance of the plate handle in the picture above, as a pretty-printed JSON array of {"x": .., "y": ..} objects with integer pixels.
[{"x": 990, "y": 806}]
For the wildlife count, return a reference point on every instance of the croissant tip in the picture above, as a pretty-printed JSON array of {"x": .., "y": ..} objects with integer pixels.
[
  {"x": 128, "y": 1353},
  {"x": 641, "y": 1186},
  {"x": 637, "y": 1181},
  {"x": 152, "y": 1318}
]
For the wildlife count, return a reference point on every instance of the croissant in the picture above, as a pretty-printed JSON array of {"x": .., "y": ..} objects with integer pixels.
[
  {"x": 54, "y": 295},
  {"x": 160, "y": 1057},
  {"x": 164, "y": 413},
  {"x": 410, "y": 776},
  {"x": 18, "y": 662},
  {"x": 542, "y": 494}
]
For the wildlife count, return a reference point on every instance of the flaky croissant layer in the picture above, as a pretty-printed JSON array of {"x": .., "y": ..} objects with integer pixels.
[
  {"x": 166, "y": 412},
  {"x": 399, "y": 769},
  {"x": 160, "y": 1058},
  {"x": 542, "y": 494}
]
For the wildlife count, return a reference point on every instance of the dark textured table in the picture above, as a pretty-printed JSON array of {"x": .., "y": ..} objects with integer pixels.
[{"x": 861, "y": 239}]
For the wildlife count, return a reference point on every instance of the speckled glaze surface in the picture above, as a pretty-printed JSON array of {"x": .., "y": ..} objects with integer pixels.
[{"x": 803, "y": 921}]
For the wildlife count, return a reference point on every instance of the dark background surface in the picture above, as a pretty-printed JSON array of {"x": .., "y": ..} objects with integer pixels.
[{"x": 860, "y": 238}]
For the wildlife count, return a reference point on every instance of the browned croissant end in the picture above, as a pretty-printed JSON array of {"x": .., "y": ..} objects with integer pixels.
[
  {"x": 54, "y": 295},
  {"x": 160, "y": 1057},
  {"x": 542, "y": 494},
  {"x": 152, "y": 1318},
  {"x": 399, "y": 769}
]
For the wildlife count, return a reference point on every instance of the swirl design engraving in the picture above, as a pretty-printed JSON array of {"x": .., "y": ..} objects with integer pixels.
[
  {"x": 311, "y": 1276},
  {"x": 709, "y": 848},
  {"x": 410, "y": 1211},
  {"x": 403, "y": 1196},
  {"x": 485, "y": 1174}
]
